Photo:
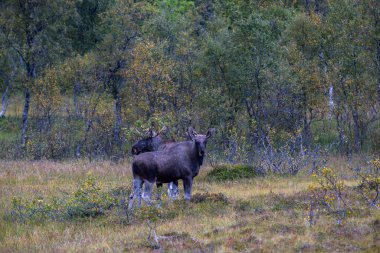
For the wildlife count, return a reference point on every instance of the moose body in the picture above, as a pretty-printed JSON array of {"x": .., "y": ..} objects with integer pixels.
[
  {"x": 167, "y": 165},
  {"x": 181, "y": 161}
]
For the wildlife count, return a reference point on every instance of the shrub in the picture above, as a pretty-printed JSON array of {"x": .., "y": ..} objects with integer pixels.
[
  {"x": 327, "y": 194},
  {"x": 369, "y": 183},
  {"x": 89, "y": 200},
  {"x": 230, "y": 172},
  {"x": 37, "y": 210}
]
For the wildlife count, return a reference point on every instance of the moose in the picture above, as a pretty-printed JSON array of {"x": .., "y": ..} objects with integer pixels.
[
  {"x": 153, "y": 142},
  {"x": 181, "y": 161}
]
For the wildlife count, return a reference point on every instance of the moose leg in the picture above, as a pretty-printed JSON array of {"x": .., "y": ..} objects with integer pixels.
[
  {"x": 159, "y": 193},
  {"x": 170, "y": 191},
  {"x": 139, "y": 195},
  {"x": 136, "y": 192},
  {"x": 173, "y": 190},
  {"x": 147, "y": 192},
  {"x": 187, "y": 185}
]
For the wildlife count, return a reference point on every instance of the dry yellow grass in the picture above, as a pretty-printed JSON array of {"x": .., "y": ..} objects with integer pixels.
[{"x": 264, "y": 214}]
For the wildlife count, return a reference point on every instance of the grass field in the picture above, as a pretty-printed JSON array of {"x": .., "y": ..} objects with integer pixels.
[{"x": 264, "y": 214}]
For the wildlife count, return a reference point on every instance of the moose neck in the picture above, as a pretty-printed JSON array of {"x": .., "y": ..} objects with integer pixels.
[
  {"x": 198, "y": 158},
  {"x": 156, "y": 142},
  {"x": 159, "y": 141}
]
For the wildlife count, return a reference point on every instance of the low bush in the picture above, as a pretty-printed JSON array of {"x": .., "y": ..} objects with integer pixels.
[
  {"x": 369, "y": 183},
  {"x": 89, "y": 200},
  {"x": 37, "y": 210},
  {"x": 230, "y": 172},
  {"x": 328, "y": 194}
]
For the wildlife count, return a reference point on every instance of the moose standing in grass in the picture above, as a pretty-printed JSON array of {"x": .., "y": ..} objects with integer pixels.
[
  {"x": 156, "y": 142},
  {"x": 181, "y": 161}
]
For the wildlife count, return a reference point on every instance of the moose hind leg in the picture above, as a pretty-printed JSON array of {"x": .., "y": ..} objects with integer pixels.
[
  {"x": 139, "y": 195},
  {"x": 136, "y": 192},
  {"x": 173, "y": 190}
]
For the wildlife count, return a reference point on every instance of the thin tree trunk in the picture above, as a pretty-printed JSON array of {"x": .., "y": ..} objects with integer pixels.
[
  {"x": 89, "y": 124},
  {"x": 307, "y": 6},
  {"x": 378, "y": 69},
  {"x": 345, "y": 114},
  {"x": 340, "y": 130},
  {"x": 118, "y": 119},
  {"x": 357, "y": 131},
  {"x": 4, "y": 101},
  {"x": 259, "y": 102},
  {"x": 376, "y": 22},
  {"x": 31, "y": 68},
  {"x": 25, "y": 117},
  {"x": 354, "y": 110},
  {"x": 75, "y": 98},
  {"x": 31, "y": 74},
  {"x": 306, "y": 131},
  {"x": 331, "y": 100},
  {"x": 306, "y": 121},
  {"x": 331, "y": 87},
  {"x": 78, "y": 150}
]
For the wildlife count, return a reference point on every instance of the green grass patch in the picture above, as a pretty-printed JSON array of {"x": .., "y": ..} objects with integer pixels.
[
  {"x": 9, "y": 128},
  {"x": 230, "y": 172},
  {"x": 324, "y": 132}
]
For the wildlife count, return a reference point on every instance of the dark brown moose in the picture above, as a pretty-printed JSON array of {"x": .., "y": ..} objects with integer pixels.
[
  {"x": 181, "y": 161},
  {"x": 153, "y": 142}
]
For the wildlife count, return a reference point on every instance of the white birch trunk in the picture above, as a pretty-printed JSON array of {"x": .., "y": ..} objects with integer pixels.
[
  {"x": 331, "y": 101},
  {"x": 4, "y": 102}
]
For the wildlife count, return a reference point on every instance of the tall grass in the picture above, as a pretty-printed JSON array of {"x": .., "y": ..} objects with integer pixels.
[{"x": 240, "y": 215}]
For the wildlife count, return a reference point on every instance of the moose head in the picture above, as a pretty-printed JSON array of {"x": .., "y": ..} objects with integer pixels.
[
  {"x": 200, "y": 139},
  {"x": 151, "y": 142}
]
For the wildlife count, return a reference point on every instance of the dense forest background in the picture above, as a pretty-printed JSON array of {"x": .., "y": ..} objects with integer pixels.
[{"x": 86, "y": 78}]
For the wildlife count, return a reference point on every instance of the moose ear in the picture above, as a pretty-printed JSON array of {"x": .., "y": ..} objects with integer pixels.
[
  {"x": 210, "y": 132},
  {"x": 189, "y": 136},
  {"x": 164, "y": 130},
  {"x": 151, "y": 133},
  {"x": 191, "y": 133}
]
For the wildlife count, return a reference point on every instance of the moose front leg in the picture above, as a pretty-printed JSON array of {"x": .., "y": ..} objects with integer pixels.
[
  {"x": 136, "y": 192},
  {"x": 147, "y": 192},
  {"x": 187, "y": 185}
]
